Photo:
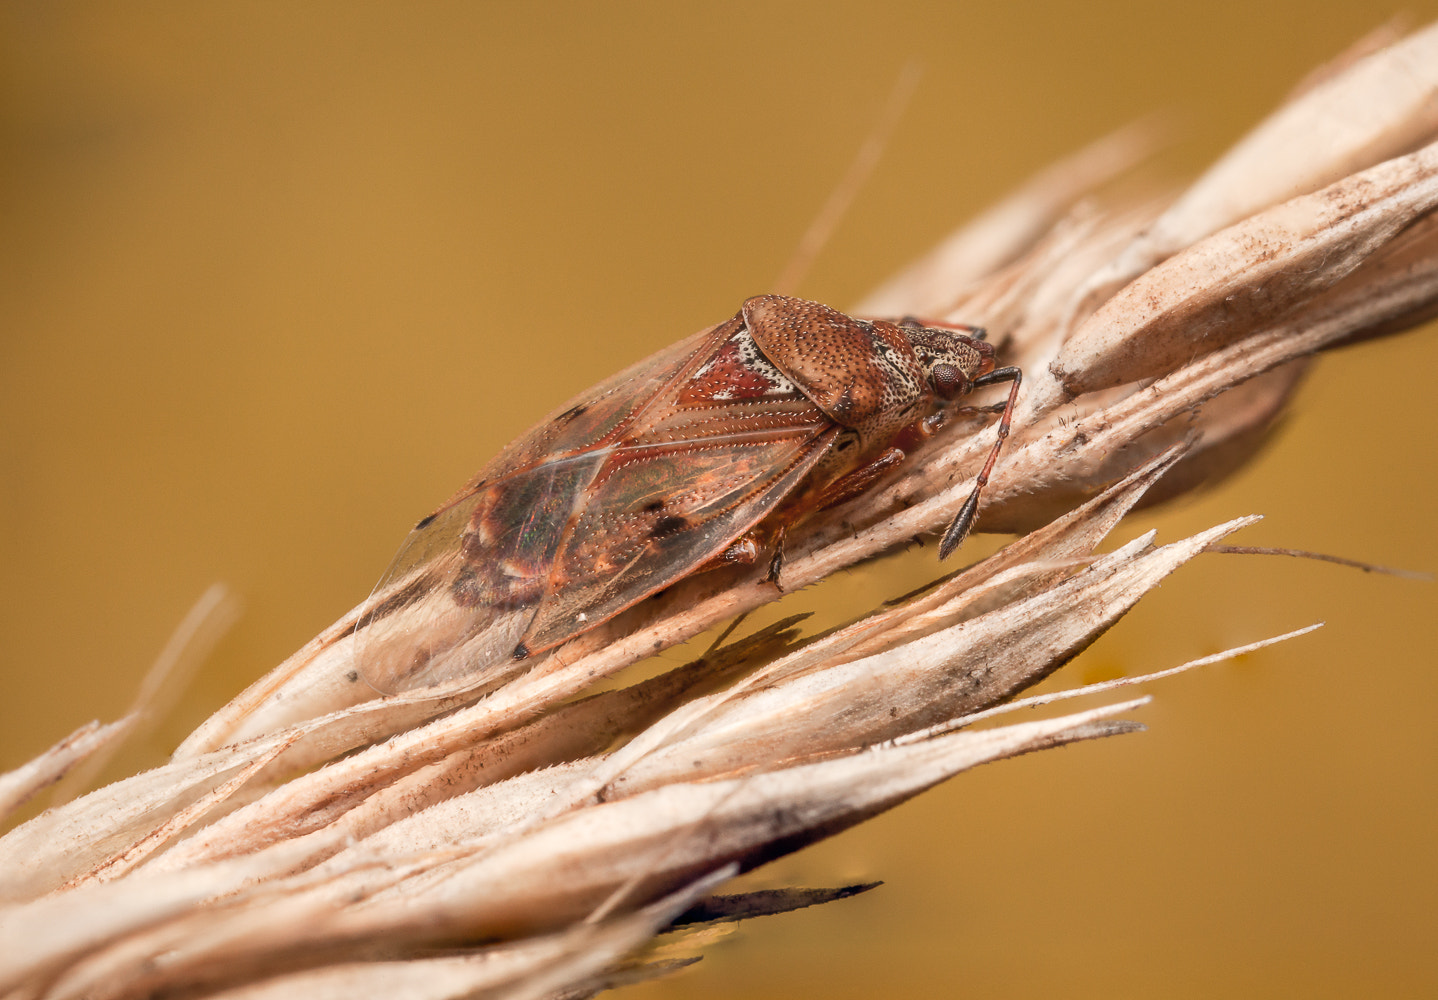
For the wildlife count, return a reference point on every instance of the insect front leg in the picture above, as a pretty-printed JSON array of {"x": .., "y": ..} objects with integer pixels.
[
  {"x": 991, "y": 408},
  {"x": 854, "y": 483}
]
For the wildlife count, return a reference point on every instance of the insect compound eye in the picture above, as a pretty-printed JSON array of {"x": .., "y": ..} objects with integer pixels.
[{"x": 947, "y": 380}]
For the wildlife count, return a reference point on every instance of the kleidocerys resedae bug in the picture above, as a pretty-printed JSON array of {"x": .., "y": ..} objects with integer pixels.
[{"x": 696, "y": 457}]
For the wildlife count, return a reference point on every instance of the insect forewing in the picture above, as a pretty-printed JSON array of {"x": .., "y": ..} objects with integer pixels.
[
  {"x": 430, "y": 618},
  {"x": 653, "y": 515},
  {"x": 614, "y": 497}
]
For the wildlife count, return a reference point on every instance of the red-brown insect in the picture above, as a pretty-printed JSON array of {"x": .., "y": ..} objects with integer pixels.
[{"x": 682, "y": 462}]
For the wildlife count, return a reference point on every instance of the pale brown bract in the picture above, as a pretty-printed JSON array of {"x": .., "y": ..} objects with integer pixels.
[{"x": 563, "y": 827}]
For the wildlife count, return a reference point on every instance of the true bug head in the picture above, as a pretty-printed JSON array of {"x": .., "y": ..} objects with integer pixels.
[{"x": 950, "y": 361}]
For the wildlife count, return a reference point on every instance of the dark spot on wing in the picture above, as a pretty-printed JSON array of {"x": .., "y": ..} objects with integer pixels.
[
  {"x": 425, "y": 522},
  {"x": 571, "y": 413},
  {"x": 466, "y": 589},
  {"x": 521, "y": 652},
  {"x": 668, "y": 525},
  {"x": 654, "y": 507}
]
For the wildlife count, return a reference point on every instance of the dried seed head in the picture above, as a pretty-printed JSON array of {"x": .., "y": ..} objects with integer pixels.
[{"x": 1161, "y": 342}]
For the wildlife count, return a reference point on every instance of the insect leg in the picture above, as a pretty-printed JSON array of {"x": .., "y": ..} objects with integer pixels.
[
  {"x": 742, "y": 551},
  {"x": 959, "y": 529},
  {"x": 990, "y": 408},
  {"x": 776, "y": 561},
  {"x": 854, "y": 483}
]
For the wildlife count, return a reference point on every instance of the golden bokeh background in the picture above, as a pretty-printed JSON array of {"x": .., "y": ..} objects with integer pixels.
[{"x": 278, "y": 277}]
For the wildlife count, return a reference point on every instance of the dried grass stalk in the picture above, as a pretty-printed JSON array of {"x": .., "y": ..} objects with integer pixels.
[{"x": 542, "y": 834}]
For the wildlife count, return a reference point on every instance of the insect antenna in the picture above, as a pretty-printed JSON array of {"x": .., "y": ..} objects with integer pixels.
[{"x": 959, "y": 529}]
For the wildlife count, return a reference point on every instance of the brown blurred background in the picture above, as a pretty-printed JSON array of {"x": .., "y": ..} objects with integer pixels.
[{"x": 276, "y": 278}]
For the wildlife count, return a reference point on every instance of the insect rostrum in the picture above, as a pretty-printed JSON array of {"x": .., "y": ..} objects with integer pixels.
[{"x": 697, "y": 457}]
